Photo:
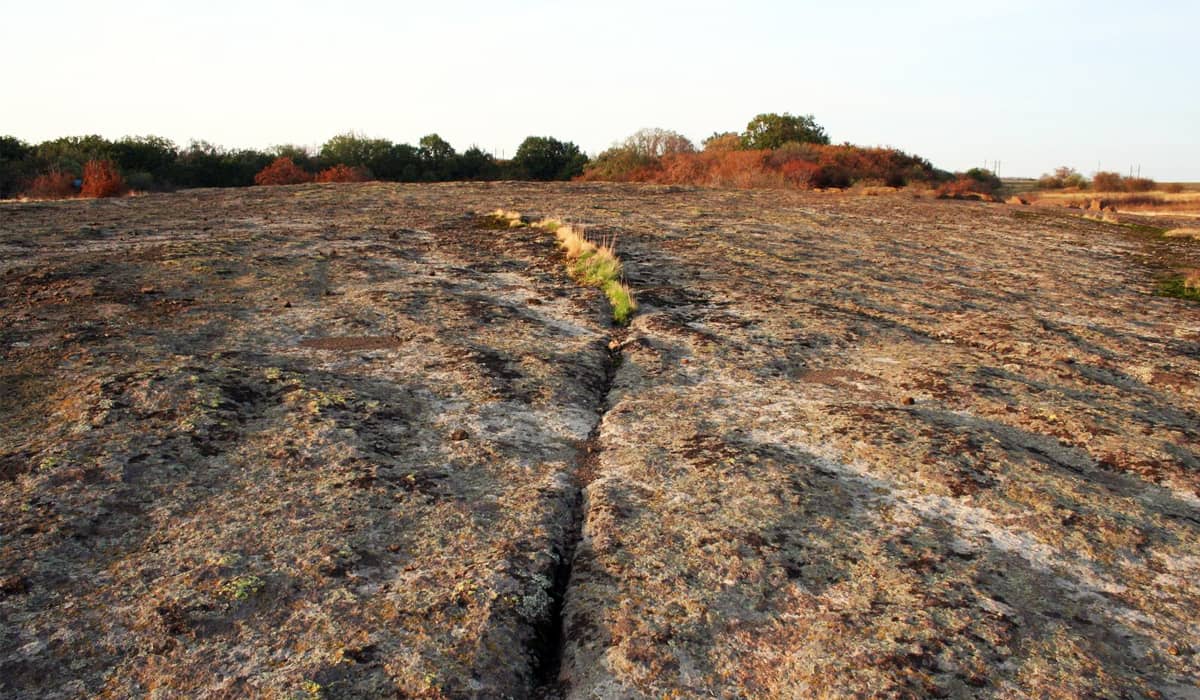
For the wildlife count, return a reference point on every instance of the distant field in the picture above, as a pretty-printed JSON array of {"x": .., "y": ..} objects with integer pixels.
[{"x": 1157, "y": 203}]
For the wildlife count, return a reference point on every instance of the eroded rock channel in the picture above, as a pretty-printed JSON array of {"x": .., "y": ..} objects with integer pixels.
[{"x": 340, "y": 441}]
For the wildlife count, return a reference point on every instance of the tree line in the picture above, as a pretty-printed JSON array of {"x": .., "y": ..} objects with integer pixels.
[
  {"x": 152, "y": 163},
  {"x": 774, "y": 150}
]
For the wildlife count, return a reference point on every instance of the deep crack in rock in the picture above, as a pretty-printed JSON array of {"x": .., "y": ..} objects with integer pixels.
[{"x": 549, "y": 637}]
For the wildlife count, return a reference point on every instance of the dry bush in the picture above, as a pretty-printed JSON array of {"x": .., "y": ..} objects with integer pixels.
[
  {"x": 1173, "y": 187},
  {"x": 1106, "y": 182},
  {"x": 1139, "y": 184},
  {"x": 1114, "y": 182},
  {"x": 343, "y": 173},
  {"x": 963, "y": 188},
  {"x": 102, "y": 179},
  {"x": 619, "y": 164},
  {"x": 1061, "y": 178},
  {"x": 282, "y": 172},
  {"x": 55, "y": 184},
  {"x": 723, "y": 142}
]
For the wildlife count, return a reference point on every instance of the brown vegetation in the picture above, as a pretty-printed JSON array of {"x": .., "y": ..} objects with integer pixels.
[
  {"x": 282, "y": 172},
  {"x": 343, "y": 173},
  {"x": 1114, "y": 182},
  {"x": 56, "y": 184},
  {"x": 802, "y": 166},
  {"x": 102, "y": 179},
  {"x": 1062, "y": 178},
  {"x": 964, "y": 188},
  {"x": 1155, "y": 203}
]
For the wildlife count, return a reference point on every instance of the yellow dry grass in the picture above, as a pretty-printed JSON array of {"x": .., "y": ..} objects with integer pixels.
[
  {"x": 512, "y": 217},
  {"x": 1142, "y": 202}
]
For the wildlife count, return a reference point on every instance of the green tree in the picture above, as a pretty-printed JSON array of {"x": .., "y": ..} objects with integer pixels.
[
  {"x": 206, "y": 165},
  {"x": 69, "y": 153},
  {"x": 774, "y": 130},
  {"x": 146, "y": 161},
  {"x": 435, "y": 148},
  {"x": 987, "y": 180},
  {"x": 438, "y": 157},
  {"x": 476, "y": 164},
  {"x": 15, "y": 165},
  {"x": 547, "y": 158},
  {"x": 400, "y": 162},
  {"x": 353, "y": 149},
  {"x": 302, "y": 156}
]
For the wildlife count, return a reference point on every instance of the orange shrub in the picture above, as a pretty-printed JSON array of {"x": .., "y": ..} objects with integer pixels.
[
  {"x": 55, "y": 184},
  {"x": 800, "y": 173},
  {"x": 282, "y": 172},
  {"x": 343, "y": 173},
  {"x": 101, "y": 179}
]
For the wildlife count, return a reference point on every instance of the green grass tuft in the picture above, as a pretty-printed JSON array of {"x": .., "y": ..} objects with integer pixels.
[
  {"x": 622, "y": 301},
  {"x": 1182, "y": 287}
]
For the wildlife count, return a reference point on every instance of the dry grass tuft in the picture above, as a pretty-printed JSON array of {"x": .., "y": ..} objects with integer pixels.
[
  {"x": 513, "y": 218},
  {"x": 1186, "y": 232}
]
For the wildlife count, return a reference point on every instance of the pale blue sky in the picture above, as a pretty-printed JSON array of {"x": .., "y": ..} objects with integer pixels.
[{"x": 1031, "y": 84}]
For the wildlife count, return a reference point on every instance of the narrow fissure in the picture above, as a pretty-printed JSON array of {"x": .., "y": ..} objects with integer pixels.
[{"x": 550, "y": 641}]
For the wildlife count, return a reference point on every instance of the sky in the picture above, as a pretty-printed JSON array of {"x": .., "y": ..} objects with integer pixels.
[{"x": 1031, "y": 85}]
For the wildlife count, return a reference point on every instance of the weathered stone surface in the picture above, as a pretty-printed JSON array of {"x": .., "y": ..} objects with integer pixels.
[
  {"x": 230, "y": 444},
  {"x": 852, "y": 446},
  {"x": 899, "y": 449}
]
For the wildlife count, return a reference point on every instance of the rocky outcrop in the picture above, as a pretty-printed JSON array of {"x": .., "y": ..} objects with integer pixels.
[{"x": 344, "y": 440}]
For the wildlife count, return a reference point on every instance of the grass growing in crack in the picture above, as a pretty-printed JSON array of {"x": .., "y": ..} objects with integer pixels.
[
  {"x": 1142, "y": 228},
  {"x": 595, "y": 265},
  {"x": 1186, "y": 286}
]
